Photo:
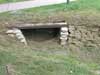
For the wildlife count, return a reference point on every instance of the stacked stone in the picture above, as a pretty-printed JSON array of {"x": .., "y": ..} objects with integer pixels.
[
  {"x": 17, "y": 33},
  {"x": 63, "y": 35}
]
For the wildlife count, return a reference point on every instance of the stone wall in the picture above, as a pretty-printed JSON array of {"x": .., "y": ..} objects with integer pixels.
[{"x": 84, "y": 36}]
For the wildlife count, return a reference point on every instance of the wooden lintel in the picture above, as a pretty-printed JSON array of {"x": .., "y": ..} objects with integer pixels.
[{"x": 39, "y": 25}]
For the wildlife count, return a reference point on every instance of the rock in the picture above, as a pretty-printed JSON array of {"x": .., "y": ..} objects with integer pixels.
[
  {"x": 9, "y": 31},
  {"x": 17, "y": 32},
  {"x": 11, "y": 35},
  {"x": 83, "y": 34},
  {"x": 63, "y": 35}
]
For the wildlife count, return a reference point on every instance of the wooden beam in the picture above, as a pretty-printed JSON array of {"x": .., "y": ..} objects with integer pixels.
[{"x": 39, "y": 25}]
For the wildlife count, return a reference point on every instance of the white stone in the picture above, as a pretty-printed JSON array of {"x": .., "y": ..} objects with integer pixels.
[
  {"x": 64, "y": 35},
  {"x": 11, "y": 35},
  {"x": 63, "y": 38},
  {"x": 18, "y": 34},
  {"x": 64, "y": 29},
  {"x": 23, "y": 41},
  {"x": 20, "y": 37},
  {"x": 17, "y": 31},
  {"x": 9, "y": 31}
]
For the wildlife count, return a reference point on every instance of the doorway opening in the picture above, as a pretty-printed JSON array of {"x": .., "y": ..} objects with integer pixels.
[{"x": 41, "y": 35}]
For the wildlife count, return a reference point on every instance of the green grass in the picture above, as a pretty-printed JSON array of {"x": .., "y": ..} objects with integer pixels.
[
  {"x": 79, "y": 5},
  {"x": 46, "y": 60},
  {"x": 7, "y": 1},
  {"x": 28, "y": 62}
]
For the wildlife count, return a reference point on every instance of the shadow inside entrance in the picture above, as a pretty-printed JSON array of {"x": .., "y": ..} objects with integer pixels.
[{"x": 41, "y": 34}]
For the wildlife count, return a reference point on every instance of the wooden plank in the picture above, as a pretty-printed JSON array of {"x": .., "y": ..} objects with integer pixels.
[{"x": 39, "y": 25}]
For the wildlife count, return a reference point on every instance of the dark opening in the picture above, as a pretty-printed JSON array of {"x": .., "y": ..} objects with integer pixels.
[{"x": 41, "y": 34}]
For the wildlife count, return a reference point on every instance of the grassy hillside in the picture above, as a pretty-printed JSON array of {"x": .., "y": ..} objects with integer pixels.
[
  {"x": 28, "y": 61},
  {"x": 51, "y": 59},
  {"x": 79, "y": 5}
]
